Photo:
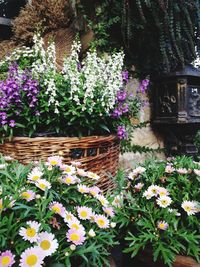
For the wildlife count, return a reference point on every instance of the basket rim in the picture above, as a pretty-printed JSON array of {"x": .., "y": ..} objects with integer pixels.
[{"x": 92, "y": 138}]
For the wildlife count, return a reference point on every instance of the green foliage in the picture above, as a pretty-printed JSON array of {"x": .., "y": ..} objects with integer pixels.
[
  {"x": 16, "y": 211},
  {"x": 159, "y": 36},
  {"x": 140, "y": 215}
]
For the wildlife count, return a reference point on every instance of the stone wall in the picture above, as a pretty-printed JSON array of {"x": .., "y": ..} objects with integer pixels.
[{"x": 144, "y": 136}]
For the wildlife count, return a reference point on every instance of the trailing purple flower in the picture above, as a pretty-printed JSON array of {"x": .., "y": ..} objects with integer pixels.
[
  {"x": 125, "y": 76},
  {"x": 143, "y": 85},
  {"x": 121, "y": 132},
  {"x": 12, "y": 97},
  {"x": 121, "y": 95}
]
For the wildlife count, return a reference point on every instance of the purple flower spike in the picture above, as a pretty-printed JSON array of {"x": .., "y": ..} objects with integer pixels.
[
  {"x": 12, "y": 123},
  {"x": 125, "y": 76},
  {"x": 121, "y": 132},
  {"x": 121, "y": 95},
  {"x": 116, "y": 113},
  {"x": 143, "y": 85}
]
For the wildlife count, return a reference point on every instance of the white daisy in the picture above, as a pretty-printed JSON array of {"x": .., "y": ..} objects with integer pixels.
[
  {"x": 54, "y": 160},
  {"x": 117, "y": 202},
  {"x": 47, "y": 243},
  {"x": 93, "y": 176},
  {"x": 183, "y": 171},
  {"x": 104, "y": 202},
  {"x": 102, "y": 221},
  {"x": 139, "y": 170},
  {"x": 190, "y": 207},
  {"x": 84, "y": 213},
  {"x": 169, "y": 169},
  {"x": 31, "y": 232},
  {"x": 81, "y": 172},
  {"x": 83, "y": 189},
  {"x": 163, "y": 191},
  {"x": 164, "y": 201},
  {"x": 138, "y": 186},
  {"x": 32, "y": 257},
  {"x": 147, "y": 194},
  {"x": 76, "y": 224},
  {"x": 43, "y": 184},
  {"x": 154, "y": 189},
  {"x": 197, "y": 172},
  {"x": 68, "y": 169},
  {"x": 69, "y": 179},
  {"x": 68, "y": 216},
  {"x": 35, "y": 174}
]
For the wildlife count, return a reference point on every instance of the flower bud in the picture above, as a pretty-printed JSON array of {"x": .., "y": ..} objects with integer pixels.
[
  {"x": 113, "y": 224},
  {"x": 72, "y": 247},
  {"x": 92, "y": 233}
]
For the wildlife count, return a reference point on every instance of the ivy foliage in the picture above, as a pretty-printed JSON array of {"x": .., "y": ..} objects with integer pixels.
[{"x": 158, "y": 35}]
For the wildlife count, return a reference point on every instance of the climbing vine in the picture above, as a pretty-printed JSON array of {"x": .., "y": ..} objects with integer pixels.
[{"x": 158, "y": 35}]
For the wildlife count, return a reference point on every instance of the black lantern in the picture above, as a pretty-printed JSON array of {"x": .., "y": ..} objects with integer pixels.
[{"x": 176, "y": 109}]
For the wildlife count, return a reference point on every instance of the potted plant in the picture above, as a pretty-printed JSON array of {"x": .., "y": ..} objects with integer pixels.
[
  {"x": 87, "y": 99},
  {"x": 160, "y": 214},
  {"x": 53, "y": 214}
]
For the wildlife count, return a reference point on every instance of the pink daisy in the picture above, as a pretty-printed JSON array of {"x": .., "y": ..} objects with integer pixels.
[
  {"x": 77, "y": 237},
  {"x": 32, "y": 257},
  {"x": 28, "y": 195},
  {"x": 84, "y": 213},
  {"x": 109, "y": 211},
  {"x": 83, "y": 189},
  {"x": 57, "y": 208},
  {"x": 54, "y": 160},
  {"x": 7, "y": 259},
  {"x": 94, "y": 191},
  {"x": 162, "y": 225},
  {"x": 102, "y": 221}
]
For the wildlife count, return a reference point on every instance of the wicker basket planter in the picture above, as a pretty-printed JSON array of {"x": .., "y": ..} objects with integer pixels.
[{"x": 99, "y": 154}]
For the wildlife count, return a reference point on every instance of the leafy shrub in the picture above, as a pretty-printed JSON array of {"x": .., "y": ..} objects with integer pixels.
[
  {"x": 53, "y": 213},
  {"x": 161, "y": 209}
]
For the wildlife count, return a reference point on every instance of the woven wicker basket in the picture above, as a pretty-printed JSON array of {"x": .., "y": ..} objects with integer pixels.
[{"x": 99, "y": 154}]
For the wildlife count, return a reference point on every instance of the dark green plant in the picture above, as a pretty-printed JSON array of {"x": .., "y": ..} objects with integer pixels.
[
  {"x": 160, "y": 213},
  {"x": 158, "y": 35}
]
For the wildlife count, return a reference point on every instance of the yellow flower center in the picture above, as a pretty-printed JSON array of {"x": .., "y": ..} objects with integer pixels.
[
  {"x": 82, "y": 190},
  {"x": 35, "y": 177},
  {"x": 188, "y": 208},
  {"x": 45, "y": 245},
  {"x": 162, "y": 193},
  {"x": 30, "y": 232},
  {"x": 42, "y": 186},
  {"x": 68, "y": 169},
  {"x": 74, "y": 237},
  {"x": 68, "y": 180},
  {"x": 56, "y": 209},
  {"x": 26, "y": 195},
  {"x": 53, "y": 162},
  {"x": 164, "y": 202},
  {"x": 75, "y": 226},
  {"x": 161, "y": 226},
  {"x": 1, "y": 205},
  {"x": 31, "y": 260},
  {"x": 5, "y": 260},
  {"x": 108, "y": 212},
  {"x": 101, "y": 222},
  {"x": 83, "y": 213}
]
